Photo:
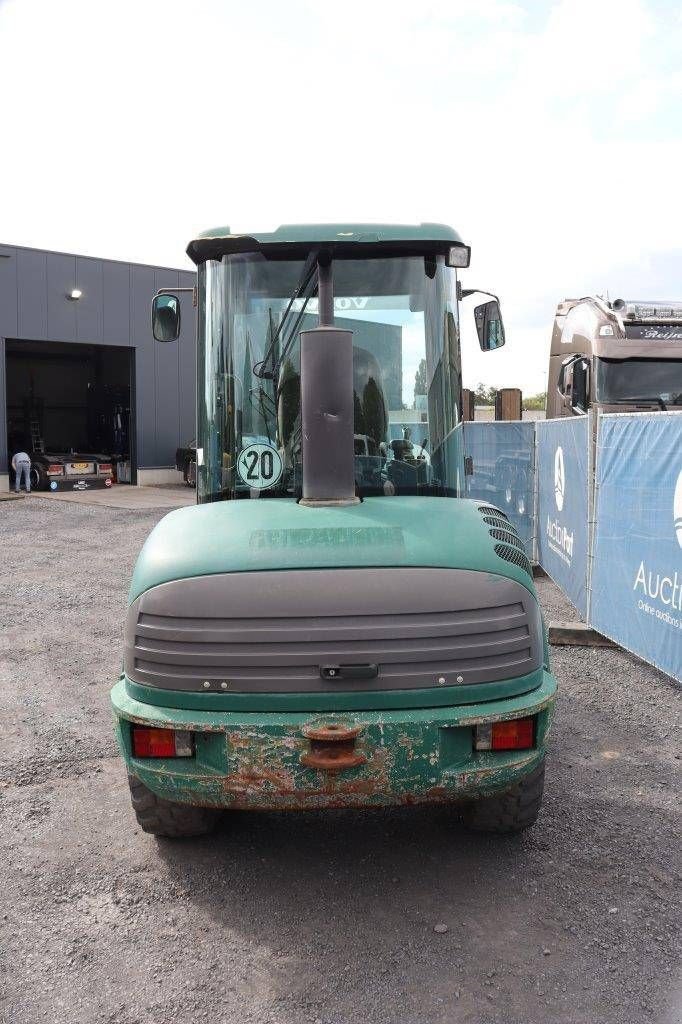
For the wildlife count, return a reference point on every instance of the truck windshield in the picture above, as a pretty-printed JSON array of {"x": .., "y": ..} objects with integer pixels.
[
  {"x": 639, "y": 380},
  {"x": 406, "y": 374}
]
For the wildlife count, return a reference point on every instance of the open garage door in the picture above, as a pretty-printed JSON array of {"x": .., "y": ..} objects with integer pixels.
[{"x": 70, "y": 407}]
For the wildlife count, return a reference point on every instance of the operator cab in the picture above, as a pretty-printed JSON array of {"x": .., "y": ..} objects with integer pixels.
[{"x": 392, "y": 403}]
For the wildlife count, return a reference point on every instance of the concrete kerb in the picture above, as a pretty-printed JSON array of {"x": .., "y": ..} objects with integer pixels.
[{"x": 576, "y": 634}]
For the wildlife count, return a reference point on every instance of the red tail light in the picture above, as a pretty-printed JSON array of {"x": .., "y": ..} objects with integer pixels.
[
  {"x": 516, "y": 734},
  {"x": 148, "y": 742},
  {"x": 55, "y": 469},
  {"x": 105, "y": 467}
]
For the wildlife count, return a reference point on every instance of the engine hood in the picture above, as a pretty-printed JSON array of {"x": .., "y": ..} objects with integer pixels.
[{"x": 273, "y": 533}]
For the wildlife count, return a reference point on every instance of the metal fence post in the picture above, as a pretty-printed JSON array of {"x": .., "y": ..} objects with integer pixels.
[{"x": 592, "y": 440}]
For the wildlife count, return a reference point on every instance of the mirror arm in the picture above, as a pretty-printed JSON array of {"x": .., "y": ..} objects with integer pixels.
[
  {"x": 464, "y": 293},
  {"x": 174, "y": 291}
]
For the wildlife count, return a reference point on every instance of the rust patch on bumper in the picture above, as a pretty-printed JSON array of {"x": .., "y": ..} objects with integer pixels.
[{"x": 262, "y": 781}]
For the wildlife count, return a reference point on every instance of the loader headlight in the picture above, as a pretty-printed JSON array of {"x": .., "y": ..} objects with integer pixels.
[{"x": 459, "y": 256}]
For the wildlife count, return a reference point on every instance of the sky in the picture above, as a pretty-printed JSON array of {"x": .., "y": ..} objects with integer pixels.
[{"x": 548, "y": 133}]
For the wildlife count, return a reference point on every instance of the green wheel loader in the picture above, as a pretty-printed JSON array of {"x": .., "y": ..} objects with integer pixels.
[{"x": 334, "y": 624}]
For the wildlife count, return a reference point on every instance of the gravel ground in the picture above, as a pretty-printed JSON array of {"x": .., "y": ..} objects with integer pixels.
[{"x": 287, "y": 919}]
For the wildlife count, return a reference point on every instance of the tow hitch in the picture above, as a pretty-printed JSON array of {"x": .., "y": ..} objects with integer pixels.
[{"x": 332, "y": 748}]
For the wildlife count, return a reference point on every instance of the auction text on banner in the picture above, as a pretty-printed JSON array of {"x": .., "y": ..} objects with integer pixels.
[{"x": 637, "y": 566}]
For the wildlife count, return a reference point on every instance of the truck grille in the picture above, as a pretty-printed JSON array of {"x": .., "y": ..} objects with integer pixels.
[{"x": 276, "y": 631}]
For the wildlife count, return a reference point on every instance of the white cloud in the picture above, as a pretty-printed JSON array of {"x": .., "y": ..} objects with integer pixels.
[{"x": 550, "y": 138}]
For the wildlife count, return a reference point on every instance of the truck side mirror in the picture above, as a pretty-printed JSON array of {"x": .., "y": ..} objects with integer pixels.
[
  {"x": 489, "y": 326},
  {"x": 580, "y": 389},
  {"x": 564, "y": 382},
  {"x": 166, "y": 317}
]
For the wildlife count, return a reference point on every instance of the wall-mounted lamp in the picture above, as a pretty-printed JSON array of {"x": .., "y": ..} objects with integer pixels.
[{"x": 74, "y": 294}]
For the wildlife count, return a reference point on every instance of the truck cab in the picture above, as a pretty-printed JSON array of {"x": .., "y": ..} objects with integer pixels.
[
  {"x": 334, "y": 624},
  {"x": 621, "y": 356}
]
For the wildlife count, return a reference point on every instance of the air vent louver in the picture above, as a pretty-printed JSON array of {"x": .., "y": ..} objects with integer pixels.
[
  {"x": 500, "y": 524},
  {"x": 489, "y": 510},
  {"x": 514, "y": 556},
  {"x": 509, "y": 538},
  {"x": 512, "y": 548}
]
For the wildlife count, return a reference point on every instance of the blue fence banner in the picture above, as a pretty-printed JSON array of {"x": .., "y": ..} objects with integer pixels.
[
  {"x": 637, "y": 551},
  {"x": 563, "y": 467},
  {"x": 504, "y": 471}
]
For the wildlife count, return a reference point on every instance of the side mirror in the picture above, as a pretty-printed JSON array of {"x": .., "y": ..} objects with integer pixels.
[
  {"x": 166, "y": 317},
  {"x": 489, "y": 326},
  {"x": 564, "y": 382},
  {"x": 580, "y": 390}
]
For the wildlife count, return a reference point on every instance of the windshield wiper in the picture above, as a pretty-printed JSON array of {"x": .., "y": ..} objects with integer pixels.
[{"x": 269, "y": 372}]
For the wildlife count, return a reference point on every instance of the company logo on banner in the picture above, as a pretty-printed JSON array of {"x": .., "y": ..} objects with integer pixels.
[
  {"x": 662, "y": 587},
  {"x": 562, "y": 506},
  {"x": 559, "y": 478},
  {"x": 559, "y": 537},
  {"x": 637, "y": 548}
]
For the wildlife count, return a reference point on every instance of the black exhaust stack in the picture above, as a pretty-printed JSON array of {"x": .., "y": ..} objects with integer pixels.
[{"x": 327, "y": 404}]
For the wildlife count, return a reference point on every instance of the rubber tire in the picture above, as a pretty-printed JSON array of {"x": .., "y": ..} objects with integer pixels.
[
  {"x": 162, "y": 817},
  {"x": 511, "y": 811},
  {"x": 187, "y": 473},
  {"x": 39, "y": 479}
]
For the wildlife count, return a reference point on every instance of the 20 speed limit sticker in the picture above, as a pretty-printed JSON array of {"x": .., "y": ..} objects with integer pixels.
[{"x": 259, "y": 465}]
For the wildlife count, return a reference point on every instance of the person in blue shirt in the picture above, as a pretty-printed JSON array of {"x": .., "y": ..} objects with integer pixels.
[{"x": 21, "y": 464}]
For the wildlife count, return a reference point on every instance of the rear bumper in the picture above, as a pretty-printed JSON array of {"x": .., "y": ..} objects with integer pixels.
[
  {"x": 253, "y": 760},
  {"x": 77, "y": 483}
]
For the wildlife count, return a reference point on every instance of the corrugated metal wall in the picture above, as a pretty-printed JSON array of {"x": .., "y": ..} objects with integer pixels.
[{"x": 113, "y": 310}]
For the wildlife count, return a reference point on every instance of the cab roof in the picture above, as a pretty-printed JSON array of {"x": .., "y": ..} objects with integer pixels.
[{"x": 345, "y": 240}]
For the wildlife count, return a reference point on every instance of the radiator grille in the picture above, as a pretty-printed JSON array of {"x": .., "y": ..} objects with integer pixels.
[{"x": 284, "y": 647}]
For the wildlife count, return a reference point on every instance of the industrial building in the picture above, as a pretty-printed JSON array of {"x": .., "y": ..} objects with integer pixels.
[{"x": 79, "y": 368}]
